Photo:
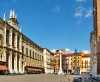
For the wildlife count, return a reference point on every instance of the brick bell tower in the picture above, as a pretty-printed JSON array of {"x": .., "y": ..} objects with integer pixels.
[{"x": 96, "y": 16}]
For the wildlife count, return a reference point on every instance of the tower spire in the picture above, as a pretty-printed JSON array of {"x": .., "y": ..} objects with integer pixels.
[
  {"x": 4, "y": 17},
  {"x": 13, "y": 20},
  {"x": 11, "y": 15}
]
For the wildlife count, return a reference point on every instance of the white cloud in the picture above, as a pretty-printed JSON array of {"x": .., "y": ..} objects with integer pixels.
[
  {"x": 67, "y": 50},
  {"x": 88, "y": 13},
  {"x": 86, "y": 51},
  {"x": 78, "y": 11},
  {"x": 53, "y": 50},
  {"x": 78, "y": 14},
  {"x": 81, "y": 0},
  {"x": 83, "y": 12}
]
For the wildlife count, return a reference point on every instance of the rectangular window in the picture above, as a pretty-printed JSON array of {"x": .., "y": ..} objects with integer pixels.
[
  {"x": 23, "y": 49},
  {"x": 33, "y": 54},
  {"x": 18, "y": 42},
  {"x": 26, "y": 51},
  {"x": 30, "y": 53},
  {"x": 13, "y": 40},
  {"x": 7, "y": 37}
]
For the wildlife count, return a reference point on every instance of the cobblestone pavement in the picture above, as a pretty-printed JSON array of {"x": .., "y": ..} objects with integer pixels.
[{"x": 36, "y": 78}]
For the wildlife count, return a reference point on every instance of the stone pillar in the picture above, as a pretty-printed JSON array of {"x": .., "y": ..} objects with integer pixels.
[
  {"x": 10, "y": 38},
  {"x": 20, "y": 43},
  {"x": 60, "y": 68},
  {"x": 10, "y": 62},
  {"x": 4, "y": 44},
  {"x": 4, "y": 55},
  {"x": 20, "y": 64},
  {"x": 15, "y": 40},
  {"x": 15, "y": 63}
]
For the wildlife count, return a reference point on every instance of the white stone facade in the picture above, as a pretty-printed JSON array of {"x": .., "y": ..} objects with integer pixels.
[
  {"x": 13, "y": 46},
  {"x": 48, "y": 57}
]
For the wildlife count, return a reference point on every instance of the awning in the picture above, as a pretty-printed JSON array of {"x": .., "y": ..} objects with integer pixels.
[{"x": 3, "y": 68}]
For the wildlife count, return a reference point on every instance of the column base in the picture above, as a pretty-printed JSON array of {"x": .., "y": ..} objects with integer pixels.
[
  {"x": 11, "y": 71},
  {"x": 60, "y": 72}
]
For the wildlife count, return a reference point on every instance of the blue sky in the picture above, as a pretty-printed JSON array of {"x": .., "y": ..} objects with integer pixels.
[{"x": 53, "y": 23}]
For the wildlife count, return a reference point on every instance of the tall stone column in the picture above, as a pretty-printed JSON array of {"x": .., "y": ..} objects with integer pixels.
[
  {"x": 20, "y": 43},
  {"x": 15, "y": 63},
  {"x": 10, "y": 52},
  {"x": 4, "y": 44},
  {"x": 15, "y": 40},
  {"x": 10, "y": 38},
  {"x": 20, "y": 64},
  {"x": 60, "y": 68},
  {"x": 10, "y": 62}
]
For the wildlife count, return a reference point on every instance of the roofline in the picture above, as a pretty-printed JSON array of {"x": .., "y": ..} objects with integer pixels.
[{"x": 22, "y": 34}]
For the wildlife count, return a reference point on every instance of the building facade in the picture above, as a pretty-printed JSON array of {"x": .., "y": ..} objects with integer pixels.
[
  {"x": 73, "y": 62},
  {"x": 18, "y": 54},
  {"x": 58, "y": 62},
  {"x": 48, "y": 61},
  {"x": 85, "y": 63}
]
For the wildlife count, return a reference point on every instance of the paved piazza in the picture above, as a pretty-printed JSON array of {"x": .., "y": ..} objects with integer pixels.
[{"x": 36, "y": 78}]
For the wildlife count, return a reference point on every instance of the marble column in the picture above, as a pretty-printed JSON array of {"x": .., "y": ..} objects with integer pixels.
[
  {"x": 4, "y": 44},
  {"x": 10, "y": 38},
  {"x": 15, "y": 41},
  {"x": 60, "y": 67},
  {"x": 15, "y": 63},
  {"x": 20, "y": 64},
  {"x": 10, "y": 52},
  {"x": 10, "y": 62},
  {"x": 20, "y": 43}
]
